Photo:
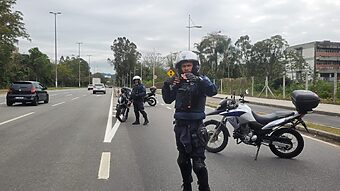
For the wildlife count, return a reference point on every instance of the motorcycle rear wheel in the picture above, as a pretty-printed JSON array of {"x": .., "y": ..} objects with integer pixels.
[
  {"x": 218, "y": 142},
  {"x": 152, "y": 101},
  {"x": 295, "y": 147}
]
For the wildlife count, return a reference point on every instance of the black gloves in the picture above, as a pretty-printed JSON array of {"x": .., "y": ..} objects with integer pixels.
[{"x": 192, "y": 77}]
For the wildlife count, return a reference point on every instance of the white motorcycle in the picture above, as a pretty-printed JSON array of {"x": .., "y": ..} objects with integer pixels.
[{"x": 276, "y": 130}]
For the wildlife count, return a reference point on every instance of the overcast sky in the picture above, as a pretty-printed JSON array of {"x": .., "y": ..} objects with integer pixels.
[{"x": 159, "y": 25}]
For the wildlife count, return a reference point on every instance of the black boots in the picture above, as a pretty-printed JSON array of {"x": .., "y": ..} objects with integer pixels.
[
  {"x": 186, "y": 187},
  {"x": 136, "y": 123},
  {"x": 146, "y": 121}
]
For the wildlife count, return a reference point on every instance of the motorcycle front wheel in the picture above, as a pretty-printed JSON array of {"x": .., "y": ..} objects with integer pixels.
[
  {"x": 286, "y": 143},
  {"x": 152, "y": 101},
  {"x": 218, "y": 136},
  {"x": 120, "y": 114}
]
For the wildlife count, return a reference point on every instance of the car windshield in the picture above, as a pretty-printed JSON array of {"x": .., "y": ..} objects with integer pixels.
[
  {"x": 21, "y": 85},
  {"x": 99, "y": 85}
]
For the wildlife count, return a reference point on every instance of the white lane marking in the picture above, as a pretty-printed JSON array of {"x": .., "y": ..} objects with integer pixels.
[
  {"x": 168, "y": 107},
  {"x": 2, "y": 123},
  {"x": 331, "y": 144},
  {"x": 68, "y": 95},
  {"x": 58, "y": 104},
  {"x": 2, "y": 103},
  {"x": 75, "y": 98},
  {"x": 162, "y": 103},
  {"x": 104, "y": 167},
  {"x": 110, "y": 131}
]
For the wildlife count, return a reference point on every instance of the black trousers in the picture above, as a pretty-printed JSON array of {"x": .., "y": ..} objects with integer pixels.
[
  {"x": 138, "y": 106},
  {"x": 191, "y": 153}
]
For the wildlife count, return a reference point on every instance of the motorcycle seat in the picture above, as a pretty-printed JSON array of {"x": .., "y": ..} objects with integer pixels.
[
  {"x": 215, "y": 112},
  {"x": 265, "y": 119}
]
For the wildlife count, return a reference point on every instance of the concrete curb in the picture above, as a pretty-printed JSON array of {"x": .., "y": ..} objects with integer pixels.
[{"x": 320, "y": 133}]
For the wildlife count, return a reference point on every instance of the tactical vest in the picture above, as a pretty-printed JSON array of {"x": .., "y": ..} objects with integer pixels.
[{"x": 189, "y": 99}]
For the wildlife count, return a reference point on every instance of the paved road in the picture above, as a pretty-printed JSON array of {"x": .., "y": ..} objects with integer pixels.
[{"x": 67, "y": 145}]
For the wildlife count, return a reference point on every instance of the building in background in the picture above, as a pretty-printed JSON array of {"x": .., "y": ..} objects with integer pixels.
[{"x": 323, "y": 58}]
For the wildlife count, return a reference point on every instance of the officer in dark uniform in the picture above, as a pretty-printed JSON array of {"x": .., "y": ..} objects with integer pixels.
[
  {"x": 137, "y": 95},
  {"x": 190, "y": 89}
]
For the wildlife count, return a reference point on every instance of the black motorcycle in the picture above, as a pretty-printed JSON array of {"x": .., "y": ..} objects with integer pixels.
[
  {"x": 122, "y": 107},
  {"x": 150, "y": 97}
]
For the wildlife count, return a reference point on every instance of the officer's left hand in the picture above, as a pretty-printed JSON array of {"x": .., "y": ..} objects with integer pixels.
[{"x": 192, "y": 77}]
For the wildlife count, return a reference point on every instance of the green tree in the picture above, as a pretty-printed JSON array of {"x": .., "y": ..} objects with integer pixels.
[
  {"x": 40, "y": 65},
  {"x": 267, "y": 58},
  {"x": 125, "y": 58},
  {"x": 217, "y": 54},
  {"x": 244, "y": 46},
  {"x": 11, "y": 27}
]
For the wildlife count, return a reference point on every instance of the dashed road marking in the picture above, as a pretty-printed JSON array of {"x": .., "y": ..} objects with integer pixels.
[
  {"x": 16, "y": 118},
  {"x": 58, "y": 104},
  {"x": 75, "y": 98},
  {"x": 68, "y": 95},
  {"x": 104, "y": 167},
  {"x": 168, "y": 108}
]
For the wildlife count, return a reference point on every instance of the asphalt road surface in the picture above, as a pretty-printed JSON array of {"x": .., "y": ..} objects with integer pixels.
[{"x": 74, "y": 143}]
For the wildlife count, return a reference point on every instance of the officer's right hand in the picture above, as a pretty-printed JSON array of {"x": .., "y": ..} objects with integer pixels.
[{"x": 174, "y": 80}]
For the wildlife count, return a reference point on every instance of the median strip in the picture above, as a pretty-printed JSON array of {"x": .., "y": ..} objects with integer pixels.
[
  {"x": 2, "y": 123},
  {"x": 58, "y": 104},
  {"x": 104, "y": 167}
]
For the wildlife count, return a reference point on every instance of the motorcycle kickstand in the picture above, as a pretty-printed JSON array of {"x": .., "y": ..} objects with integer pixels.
[{"x": 257, "y": 152}]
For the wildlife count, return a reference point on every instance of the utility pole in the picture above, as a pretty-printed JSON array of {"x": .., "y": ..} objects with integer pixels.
[
  {"x": 89, "y": 67},
  {"x": 79, "y": 43}
]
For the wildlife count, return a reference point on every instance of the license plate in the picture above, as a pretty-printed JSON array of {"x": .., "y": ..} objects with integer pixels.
[{"x": 19, "y": 97}]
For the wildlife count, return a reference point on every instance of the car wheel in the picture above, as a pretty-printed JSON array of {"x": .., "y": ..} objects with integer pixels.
[
  {"x": 9, "y": 103},
  {"x": 47, "y": 99},
  {"x": 35, "y": 101}
]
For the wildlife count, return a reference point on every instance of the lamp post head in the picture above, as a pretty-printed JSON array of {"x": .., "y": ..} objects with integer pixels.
[
  {"x": 195, "y": 26},
  {"x": 55, "y": 13}
]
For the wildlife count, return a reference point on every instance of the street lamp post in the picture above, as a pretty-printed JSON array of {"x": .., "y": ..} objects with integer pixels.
[
  {"x": 189, "y": 27},
  {"x": 79, "y": 43},
  {"x": 55, "y": 46}
]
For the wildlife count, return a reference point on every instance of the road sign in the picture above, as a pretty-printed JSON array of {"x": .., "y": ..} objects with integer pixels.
[{"x": 170, "y": 73}]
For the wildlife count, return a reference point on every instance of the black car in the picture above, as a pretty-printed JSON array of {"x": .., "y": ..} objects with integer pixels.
[{"x": 26, "y": 91}]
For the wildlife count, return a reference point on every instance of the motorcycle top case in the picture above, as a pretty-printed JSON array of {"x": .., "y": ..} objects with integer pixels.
[{"x": 305, "y": 100}]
